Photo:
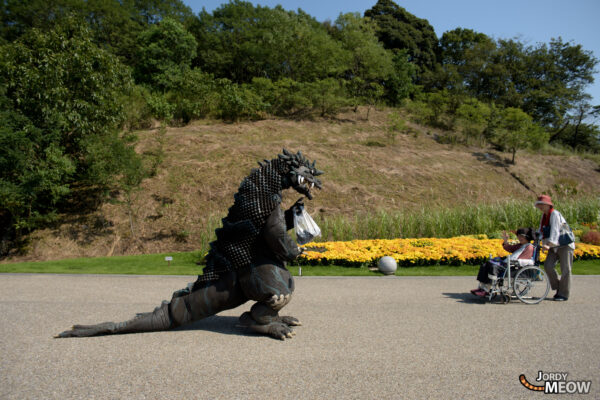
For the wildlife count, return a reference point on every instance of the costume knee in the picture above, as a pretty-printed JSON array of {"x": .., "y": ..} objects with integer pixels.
[
  {"x": 271, "y": 286},
  {"x": 261, "y": 283}
]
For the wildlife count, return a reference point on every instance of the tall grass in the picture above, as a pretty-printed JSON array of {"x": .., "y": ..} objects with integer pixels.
[
  {"x": 489, "y": 219},
  {"x": 448, "y": 222}
]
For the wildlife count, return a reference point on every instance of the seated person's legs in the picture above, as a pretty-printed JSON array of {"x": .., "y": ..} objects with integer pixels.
[{"x": 489, "y": 269}]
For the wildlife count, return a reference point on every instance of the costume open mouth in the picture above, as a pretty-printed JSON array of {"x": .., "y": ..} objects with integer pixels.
[
  {"x": 302, "y": 173},
  {"x": 306, "y": 182}
]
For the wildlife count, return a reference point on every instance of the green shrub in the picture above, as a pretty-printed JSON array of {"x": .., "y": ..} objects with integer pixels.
[
  {"x": 327, "y": 96},
  {"x": 195, "y": 96},
  {"x": 473, "y": 116},
  {"x": 291, "y": 98},
  {"x": 420, "y": 112},
  {"x": 238, "y": 101},
  {"x": 285, "y": 97},
  {"x": 160, "y": 107},
  {"x": 138, "y": 113}
]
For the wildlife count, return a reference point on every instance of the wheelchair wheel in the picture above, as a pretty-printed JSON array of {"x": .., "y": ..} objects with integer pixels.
[{"x": 531, "y": 285}]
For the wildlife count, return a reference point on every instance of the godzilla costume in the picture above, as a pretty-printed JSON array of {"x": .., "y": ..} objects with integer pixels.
[{"x": 246, "y": 262}]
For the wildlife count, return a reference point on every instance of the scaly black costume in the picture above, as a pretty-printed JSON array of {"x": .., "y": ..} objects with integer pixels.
[{"x": 246, "y": 262}]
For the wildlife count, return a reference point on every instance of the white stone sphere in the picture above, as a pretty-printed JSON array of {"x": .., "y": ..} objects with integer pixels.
[{"x": 387, "y": 265}]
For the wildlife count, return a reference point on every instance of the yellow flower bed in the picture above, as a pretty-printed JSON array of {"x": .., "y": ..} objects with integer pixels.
[{"x": 425, "y": 251}]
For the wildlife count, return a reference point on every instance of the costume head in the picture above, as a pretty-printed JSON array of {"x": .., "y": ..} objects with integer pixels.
[{"x": 299, "y": 173}]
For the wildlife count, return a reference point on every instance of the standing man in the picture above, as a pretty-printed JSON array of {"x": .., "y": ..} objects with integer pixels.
[{"x": 552, "y": 225}]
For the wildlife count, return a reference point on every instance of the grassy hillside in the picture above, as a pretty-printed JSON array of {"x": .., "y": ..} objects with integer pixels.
[{"x": 367, "y": 170}]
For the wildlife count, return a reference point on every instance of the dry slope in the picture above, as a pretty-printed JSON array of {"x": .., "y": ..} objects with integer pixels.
[{"x": 366, "y": 170}]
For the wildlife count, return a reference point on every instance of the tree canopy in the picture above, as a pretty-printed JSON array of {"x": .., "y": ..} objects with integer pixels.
[
  {"x": 399, "y": 29},
  {"x": 240, "y": 41}
]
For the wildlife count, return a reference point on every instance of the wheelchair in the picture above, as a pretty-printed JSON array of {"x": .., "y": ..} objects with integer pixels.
[{"x": 523, "y": 279}]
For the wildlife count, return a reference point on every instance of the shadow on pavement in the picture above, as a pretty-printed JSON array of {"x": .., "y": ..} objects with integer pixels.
[
  {"x": 465, "y": 298},
  {"x": 219, "y": 324}
]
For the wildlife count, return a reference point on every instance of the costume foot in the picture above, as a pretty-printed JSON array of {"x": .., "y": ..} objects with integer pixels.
[{"x": 277, "y": 329}]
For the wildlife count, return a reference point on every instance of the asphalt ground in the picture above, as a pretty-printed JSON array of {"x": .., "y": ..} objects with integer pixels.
[{"x": 362, "y": 338}]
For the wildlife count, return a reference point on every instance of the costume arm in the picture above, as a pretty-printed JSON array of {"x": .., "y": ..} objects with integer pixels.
[
  {"x": 276, "y": 237},
  {"x": 289, "y": 218}
]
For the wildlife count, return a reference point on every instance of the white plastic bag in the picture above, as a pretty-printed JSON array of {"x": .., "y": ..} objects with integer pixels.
[{"x": 305, "y": 227}]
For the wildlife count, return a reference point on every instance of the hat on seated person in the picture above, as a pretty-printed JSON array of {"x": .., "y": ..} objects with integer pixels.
[{"x": 544, "y": 199}]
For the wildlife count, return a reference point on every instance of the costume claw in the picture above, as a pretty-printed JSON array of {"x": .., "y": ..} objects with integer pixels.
[
  {"x": 279, "y": 301},
  {"x": 290, "y": 321}
]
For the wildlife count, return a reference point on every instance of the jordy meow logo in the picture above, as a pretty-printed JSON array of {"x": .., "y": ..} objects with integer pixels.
[{"x": 556, "y": 383}]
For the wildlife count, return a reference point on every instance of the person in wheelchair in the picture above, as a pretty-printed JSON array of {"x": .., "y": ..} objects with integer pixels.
[{"x": 523, "y": 251}]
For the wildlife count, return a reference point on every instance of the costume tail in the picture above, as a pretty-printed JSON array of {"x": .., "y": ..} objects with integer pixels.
[{"x": 158, "y": 320}]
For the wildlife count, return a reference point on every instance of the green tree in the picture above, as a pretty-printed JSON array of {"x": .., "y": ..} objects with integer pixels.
[
  {"x": 369, "y": 63},
  {"x": 518, "y": 131},
  {"x": 399, "y": 29},
  {"x": 547, "y": 81},
  {"x": 460, "y": 52},
  {"x": 194, "y": 96},
  {"x": 237, "y": 101},
  {"x": 399, "y": 85},
  {"x": 456, "y": 43},
  {"x": 154, "y": 11},
  {"x": 474, "y": 116},
  {"x": 17, "y": 17},
  {"x": 165, "y": 54},
  {"x": 557, "y": 74},
  {"x": 437, "y": 108},
  {"x": 33, "y": 177},
  {"x": 327, "y": 96},
  {"x": 580, "y": 130},
  {"x": 61, "y": 112},
  {"x": 239, "y": 41},
  {"x": 115, "y": 24},
  {"x": 285, "y": 97},
  {"x": 496, "y": 72}
]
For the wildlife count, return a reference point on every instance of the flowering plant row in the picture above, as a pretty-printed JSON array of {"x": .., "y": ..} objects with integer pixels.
[{"x": 458, "y": 250}]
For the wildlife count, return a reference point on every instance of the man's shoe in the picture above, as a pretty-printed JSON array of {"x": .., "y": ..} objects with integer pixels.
[{"x": 560, "y": 298}]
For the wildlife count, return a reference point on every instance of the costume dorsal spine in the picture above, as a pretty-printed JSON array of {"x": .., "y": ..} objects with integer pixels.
[{"x": 258, "y": 195}]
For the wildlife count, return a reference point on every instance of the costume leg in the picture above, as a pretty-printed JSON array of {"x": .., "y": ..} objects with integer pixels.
[
  {"x": 206, "y": 299},
  {"x": 185, "y": 306},
  {"x": 272, "y": 287}
]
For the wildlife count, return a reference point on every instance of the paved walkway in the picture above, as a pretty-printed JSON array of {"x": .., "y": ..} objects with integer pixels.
[{"x": 363, "y": 338}]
